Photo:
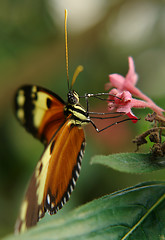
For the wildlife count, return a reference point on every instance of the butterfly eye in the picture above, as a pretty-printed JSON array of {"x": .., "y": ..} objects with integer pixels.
[{"x": 73, "y": 97}]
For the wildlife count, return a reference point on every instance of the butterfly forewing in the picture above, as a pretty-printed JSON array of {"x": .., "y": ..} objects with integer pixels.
[{"x": 40, "y": 111}]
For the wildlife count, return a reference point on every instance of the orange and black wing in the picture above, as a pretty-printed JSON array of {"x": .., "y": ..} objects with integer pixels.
[
  {"x": 55, "y": 175},
  {"x": 40, "y": 111}
]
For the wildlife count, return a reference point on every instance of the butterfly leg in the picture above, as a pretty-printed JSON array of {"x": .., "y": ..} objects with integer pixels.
[
  {"x": 87, "y": 103},
  {"x": 112, "y": 124},
  {"x": 98, "y": 96},
  {"x": 88, "y": 95}
]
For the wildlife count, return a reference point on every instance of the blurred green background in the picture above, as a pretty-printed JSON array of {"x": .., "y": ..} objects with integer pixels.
[{"x": 102, "y": 34}]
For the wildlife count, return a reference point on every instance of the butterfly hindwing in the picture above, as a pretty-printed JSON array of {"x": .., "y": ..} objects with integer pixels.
[
  {"x": 29, "y": 209},
  {"x": 39, "y": 110},
  {"x": 55, "y": 175}
]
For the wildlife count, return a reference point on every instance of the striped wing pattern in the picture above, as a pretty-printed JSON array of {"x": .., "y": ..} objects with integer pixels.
[{"x": 40, "y": 111}]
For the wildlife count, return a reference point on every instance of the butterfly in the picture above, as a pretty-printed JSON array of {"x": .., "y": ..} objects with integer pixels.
[{"x": 59, "y": 126}]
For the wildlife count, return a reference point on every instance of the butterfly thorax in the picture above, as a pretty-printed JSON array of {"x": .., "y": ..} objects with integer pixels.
[{"x": 73, "y": 108}]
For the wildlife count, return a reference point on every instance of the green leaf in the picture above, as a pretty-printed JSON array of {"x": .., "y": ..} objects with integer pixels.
[
  {"x": 131, "y": 162},
  {"x": 134, "y": 213}
]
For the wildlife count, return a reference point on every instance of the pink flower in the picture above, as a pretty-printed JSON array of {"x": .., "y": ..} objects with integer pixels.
[
  {"x": 127, "y": 83},
  {"x": 123, "y": 102},
  {"x": 124, "y": 89}
]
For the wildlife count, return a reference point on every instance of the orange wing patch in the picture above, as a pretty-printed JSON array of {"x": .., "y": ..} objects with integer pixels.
[{"x": 64, "y": 167}]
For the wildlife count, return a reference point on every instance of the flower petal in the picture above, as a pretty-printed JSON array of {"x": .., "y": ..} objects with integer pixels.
[
  {"x": 131, "y": 76},
  {"x": 124, "y": 89},
  {"x": 117, "y": 81},
  {"x": 133, "y": 118}
]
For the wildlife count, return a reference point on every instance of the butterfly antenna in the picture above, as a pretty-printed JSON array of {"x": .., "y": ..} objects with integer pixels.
[
  {"x": 79, "y": 69},
  {"x": 66, "y": 47}
]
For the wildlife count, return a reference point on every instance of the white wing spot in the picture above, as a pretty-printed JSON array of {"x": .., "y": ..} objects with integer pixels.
[
  {"x": 77, "y": 174},
  {"x": 20, "y": 114},
  {"x": 78, "y": 165},
  {"x": 21, "y": 98},
  {"x": 71, "y": 188},
  {"x": 74, "y": 182},
  {"x": 40, "y": 213},
  {"x": 64, "y": 200},
  {"x": 33, "y": 95},
  {"x": 81, "y": 153},
  {"x": 48, "y": 199},
  {"x": 68, "y": 195},
  {"x": 34, "y": 89}
]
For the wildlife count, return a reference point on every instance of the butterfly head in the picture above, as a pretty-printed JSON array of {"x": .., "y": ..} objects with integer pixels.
[{"x": 73, "y": 97}]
